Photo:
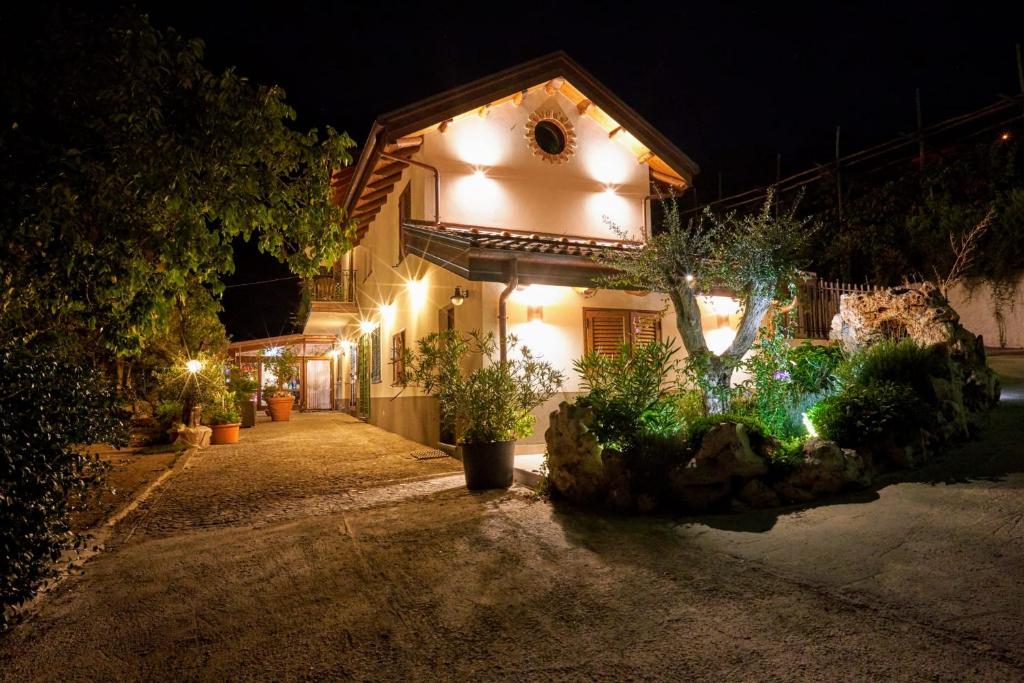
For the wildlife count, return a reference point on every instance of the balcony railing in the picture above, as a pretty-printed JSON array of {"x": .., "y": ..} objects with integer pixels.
[{"x": 339, "y": 285}]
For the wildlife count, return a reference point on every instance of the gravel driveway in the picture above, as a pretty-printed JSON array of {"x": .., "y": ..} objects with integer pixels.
[{"x": 320, "y": 549}]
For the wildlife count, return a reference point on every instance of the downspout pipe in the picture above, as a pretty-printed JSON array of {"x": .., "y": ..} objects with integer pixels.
[
  {"x": 503, "y": 312},
  {"x": 437, "y": 181}
]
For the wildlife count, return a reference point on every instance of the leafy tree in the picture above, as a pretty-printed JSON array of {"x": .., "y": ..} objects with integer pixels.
[
  {"x": 49, "y": 409},
  {"x": 128, "y": 167},
  {"x": 751, "y": 255}
]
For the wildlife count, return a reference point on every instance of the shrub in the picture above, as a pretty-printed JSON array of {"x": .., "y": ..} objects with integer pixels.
[
  {"x": 812, "y": 367},
  {"x": 859, "y": 414},
  {"x": 630, "y": 394},
  {"x": 900, "y": 362},
  {"x": 167, "y": 413},
  {"x": 224, "y": 413},
  {"x": 489, "y": 404},
  {"x": 789, "y": 453},
  {"x": 48, "y": 407},
  {"x": 698, "y": 428}
]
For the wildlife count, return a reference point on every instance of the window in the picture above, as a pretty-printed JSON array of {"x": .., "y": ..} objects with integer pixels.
[
  {"x": 398, "y": 358},
  {"x": 606, "y": 330},
  {"x": 404, "y": 214},
  {"x": 375, "y": 355},
  {"x": 446, "y": 319},
  {"x": 549, "y": 136}
]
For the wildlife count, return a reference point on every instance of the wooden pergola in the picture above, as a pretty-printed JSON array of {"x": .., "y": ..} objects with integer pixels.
[{"x": 301, "y": 342}]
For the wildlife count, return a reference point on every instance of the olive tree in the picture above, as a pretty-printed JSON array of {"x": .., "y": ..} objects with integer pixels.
[{"x": 751, "y": 255}]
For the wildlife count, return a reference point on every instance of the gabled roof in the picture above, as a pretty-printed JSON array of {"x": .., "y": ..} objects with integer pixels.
[{"x": 362, "y": 189}]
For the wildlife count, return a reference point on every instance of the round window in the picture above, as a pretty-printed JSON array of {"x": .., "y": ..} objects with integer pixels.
[{"x": 549, "y": 136}]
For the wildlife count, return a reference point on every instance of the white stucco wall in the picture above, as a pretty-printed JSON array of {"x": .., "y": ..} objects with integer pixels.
[
  {"x": 491, "y": 178},
  {"x": 977, "y": 314}
]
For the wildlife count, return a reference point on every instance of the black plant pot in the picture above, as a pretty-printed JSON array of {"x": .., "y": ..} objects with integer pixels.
[{"x": 488, "y": 465}]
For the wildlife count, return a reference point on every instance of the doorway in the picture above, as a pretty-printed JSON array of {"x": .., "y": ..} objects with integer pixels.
[{"x": 318, "y": 384}]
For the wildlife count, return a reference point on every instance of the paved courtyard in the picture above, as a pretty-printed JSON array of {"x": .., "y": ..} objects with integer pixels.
[{"x": 320, "y": 549}]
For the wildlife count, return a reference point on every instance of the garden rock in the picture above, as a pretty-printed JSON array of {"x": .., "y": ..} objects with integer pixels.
[
  {"x": 757, "y": 494},
  {"x": 826, "y": 469},
  {"x": 724, "y": 453},
  {"x": 918, "y": 311},
  {"x": 575, "y": 466},
  {"x": 194, "y": 437}
]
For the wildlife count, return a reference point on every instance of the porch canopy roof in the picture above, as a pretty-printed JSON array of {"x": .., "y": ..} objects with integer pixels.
[
  {"x": 256, "y": 346},
  {"x": 486, "y": 254}
]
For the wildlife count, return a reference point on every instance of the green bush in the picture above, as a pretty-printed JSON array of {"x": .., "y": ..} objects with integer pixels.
[
  {"x": 696, "y": 430},
  {"x": 900, "y": 362},
  {"x": 860, "y": 414},
  {"x": 226, "y": 413},
  {"x": 812, "y": 367},
  {"x": 50, "y": 407},
  {"x": 631, "y": 395}
]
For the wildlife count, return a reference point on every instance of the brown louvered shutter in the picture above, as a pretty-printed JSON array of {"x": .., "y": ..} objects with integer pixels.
[
  {"x": 606, "y": 331},
  {"x": 645, "y": 327}
]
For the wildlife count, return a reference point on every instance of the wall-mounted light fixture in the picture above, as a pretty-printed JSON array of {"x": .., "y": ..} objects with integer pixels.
[
  {"x": 367, "y": 326},
  {"x": 535, "y": 313},
  {"x": 459, "y": 297}
]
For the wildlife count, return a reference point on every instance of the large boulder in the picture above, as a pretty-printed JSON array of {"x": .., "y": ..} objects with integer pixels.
[
  {"x": 826, "y": 469},
  {"x": 574, "y": 460},
  {"x": 918, "y": 311}
]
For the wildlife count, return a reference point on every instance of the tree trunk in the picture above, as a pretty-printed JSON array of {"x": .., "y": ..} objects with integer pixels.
[
  {"x": 716, "y": 375},
  {"x": 718, "y": 387}
]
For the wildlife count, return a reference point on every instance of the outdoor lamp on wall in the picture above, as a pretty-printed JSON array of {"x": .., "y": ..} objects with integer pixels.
[{"x": 459, "y": 297}]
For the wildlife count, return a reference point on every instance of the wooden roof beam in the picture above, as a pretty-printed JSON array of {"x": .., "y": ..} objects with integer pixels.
[
  {"x": 373, "y": 196},
  {"x": 443, "y": 126},
  {"x": 583, "y": 106},
  {"x": 518, "y": 98},
  {"x": 618, "y": 130},
  {"x": 645, "y": 157},
  {"x": 372, "y": 204},
  {"x": 403, "y": 143},
  {"x": 386, "y": 181},
  {"x": 389, "y": 169},
  {"x": 668, "y": 179},
  {"x": 554, "y": 85}
]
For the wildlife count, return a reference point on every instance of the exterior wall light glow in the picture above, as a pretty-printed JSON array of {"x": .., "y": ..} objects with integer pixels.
[
  {"x": 535, "y": 313},
  {"x": 459, "y": 297},
  {"x": 367, "y": 326},
  {"x": 194, "y": 366}
]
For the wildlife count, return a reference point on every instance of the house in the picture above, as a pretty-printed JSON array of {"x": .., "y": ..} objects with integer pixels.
[{"x": 485, "y": 207}]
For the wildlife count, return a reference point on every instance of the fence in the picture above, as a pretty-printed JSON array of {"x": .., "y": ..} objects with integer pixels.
[{"x": 818, "y": 303}]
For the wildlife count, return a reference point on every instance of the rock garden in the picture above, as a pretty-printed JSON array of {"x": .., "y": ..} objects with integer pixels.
[{"x": 900, "y": 379}]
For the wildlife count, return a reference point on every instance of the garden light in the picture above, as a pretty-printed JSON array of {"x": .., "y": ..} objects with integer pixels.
[
  {"x": 194, "y": 366},
  {"x": 809, "y": 426}
]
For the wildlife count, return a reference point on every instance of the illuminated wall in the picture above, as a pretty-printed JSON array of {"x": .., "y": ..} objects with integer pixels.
[{"x": 491, "y": 178}]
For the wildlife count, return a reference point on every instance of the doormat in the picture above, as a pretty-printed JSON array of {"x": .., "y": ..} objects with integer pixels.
[{"x": 431, "y": 454}]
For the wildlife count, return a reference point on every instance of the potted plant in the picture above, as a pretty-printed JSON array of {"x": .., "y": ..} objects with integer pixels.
[
  {"x": 279, "y": 397},
  {"x": 224, "y": 421},
  {"x": 243, "y": 385},
  {"x": 491, "y": 405}
]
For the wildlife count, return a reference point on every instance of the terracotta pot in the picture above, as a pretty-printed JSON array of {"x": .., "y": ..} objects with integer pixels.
[
  {"x": 488, "y": 465},
  {"x": 280, "y": 407},
  {"x": 224, "y": 434}
]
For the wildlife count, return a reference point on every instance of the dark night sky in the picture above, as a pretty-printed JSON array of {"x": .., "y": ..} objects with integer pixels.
[{"x": 732, "y": 85}]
